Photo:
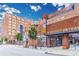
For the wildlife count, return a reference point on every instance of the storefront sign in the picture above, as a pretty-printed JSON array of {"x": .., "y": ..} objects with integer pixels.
[{"x": 65, "y": 30}]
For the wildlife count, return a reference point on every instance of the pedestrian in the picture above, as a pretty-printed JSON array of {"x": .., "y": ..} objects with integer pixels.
[
  {"x": 25, "y": 40},
  {"x": 26, "y": 36}
]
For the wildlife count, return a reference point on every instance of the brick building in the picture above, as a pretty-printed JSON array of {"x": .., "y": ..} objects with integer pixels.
[
  {"x": 63, "y": 26},
  {"x": 12, "y": 25}
]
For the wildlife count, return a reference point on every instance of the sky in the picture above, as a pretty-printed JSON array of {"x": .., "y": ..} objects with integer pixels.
[{"x": 31, "y": 11}]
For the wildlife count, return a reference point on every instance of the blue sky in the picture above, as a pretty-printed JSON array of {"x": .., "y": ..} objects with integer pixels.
[{"x": 29, "y": 11}]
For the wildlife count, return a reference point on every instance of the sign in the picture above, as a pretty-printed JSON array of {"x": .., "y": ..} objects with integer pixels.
[
  {"x": 21, "y": 29},
  {"x": 44, "y": 20}
]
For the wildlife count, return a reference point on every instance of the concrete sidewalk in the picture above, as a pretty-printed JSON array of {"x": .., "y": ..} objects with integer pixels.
[
  {"x": 59, "y": 51},
  {"x": 56, "y": 51}
]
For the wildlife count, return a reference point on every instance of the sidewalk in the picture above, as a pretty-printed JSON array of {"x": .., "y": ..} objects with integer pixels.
[{"x": 59, "y": 51}]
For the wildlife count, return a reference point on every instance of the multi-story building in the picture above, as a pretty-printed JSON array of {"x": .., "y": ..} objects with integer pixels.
[
  {"x": 63, "y": 27},
  {"x": 41, "y": 32},
  {"x": 13, "y": 24}
]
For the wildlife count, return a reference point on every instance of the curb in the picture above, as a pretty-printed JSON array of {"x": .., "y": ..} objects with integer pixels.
[{"x": 55, "y": 54}]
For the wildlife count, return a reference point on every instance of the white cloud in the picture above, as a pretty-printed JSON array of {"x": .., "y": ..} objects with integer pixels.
[
  {"x": 54, "y": 4},
  {"x": 61, "y": 4},
  {"x": 68, "y": 4},
  {"x": 15, "y": 10},
  {"x": 2, "y": 13},
  {"x": 35, "y": 22},
  {"x": 4, "y": 6},
  {"x": 44, "y": 3},
  {"x": 11, "y": 10},
  {"x": 59, "y": 9},
  {"x": 35, "y": 8},
  {"x": 38, "y": 7},
  {"x": 0, "y": 17},
  {"x": 0, "y": 6},
  {"x": 7, "y": 9}
]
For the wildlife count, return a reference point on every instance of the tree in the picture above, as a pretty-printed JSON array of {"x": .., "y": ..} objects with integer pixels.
[
  {"x": 19, "y": 36},
  {"x": 33, "y": 35},
  {"x": 6, "y": 39},
  {"x": 33, "y": 32}
]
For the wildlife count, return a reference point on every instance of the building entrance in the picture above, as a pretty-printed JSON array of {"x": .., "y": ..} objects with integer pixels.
[
  {"x": 55, "y": 41},
  {"x": 74, "y": 38},
  {"x": 59, "y": 41}
]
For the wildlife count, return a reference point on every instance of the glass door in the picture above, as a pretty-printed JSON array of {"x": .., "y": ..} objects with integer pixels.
[{"x": 59, "y": 41}]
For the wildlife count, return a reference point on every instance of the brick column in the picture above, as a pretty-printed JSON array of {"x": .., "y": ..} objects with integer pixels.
[
  {"x": 48, "y": 41},
  {"x": 65, "y": 41}
]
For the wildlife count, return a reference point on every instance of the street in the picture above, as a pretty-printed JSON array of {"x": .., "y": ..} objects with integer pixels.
[
  {"x": 12, "y": 50},
  {"x": 16, "y": 50}
]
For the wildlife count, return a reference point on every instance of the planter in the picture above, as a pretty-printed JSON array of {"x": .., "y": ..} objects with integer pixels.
[
  {"x": 24, "y": 44},
  {"x": 32, "y": 43},
  {"x": 65, "y": 47}
]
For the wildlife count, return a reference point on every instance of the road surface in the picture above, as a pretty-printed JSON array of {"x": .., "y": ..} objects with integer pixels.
[{"x": 12, "y": 50}]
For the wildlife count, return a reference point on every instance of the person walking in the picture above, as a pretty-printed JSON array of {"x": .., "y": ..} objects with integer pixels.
[
  {"x": 26, "y": 36},
  {"x": 25, "y": 40}
]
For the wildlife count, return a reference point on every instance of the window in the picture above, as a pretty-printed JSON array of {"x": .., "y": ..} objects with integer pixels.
[
  {"x": 9, "y": 30},
  {"x": 14, "y": 25},
  {"x": 14, "y": 16},
  {"x": 9, "y": 24},
  {"x": 9, "y": 21},
  {"x": 13, "y": 31},
  {"x": 18, "y": 18},
  {"x": 78, "y": 28},
  {"x": 9, "y": 15},
  {"x": 13, "y": 34},
  {"x": 71, "y": 29},
  {"x": 9, "y": 33},
  {"x": 13, "y": 22},
  {"x": 9, "y": 18},
  {"x": 9, "y": 27}
]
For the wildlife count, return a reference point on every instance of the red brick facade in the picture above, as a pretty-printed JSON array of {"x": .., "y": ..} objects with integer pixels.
[{"x": 69, "y": 23}]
